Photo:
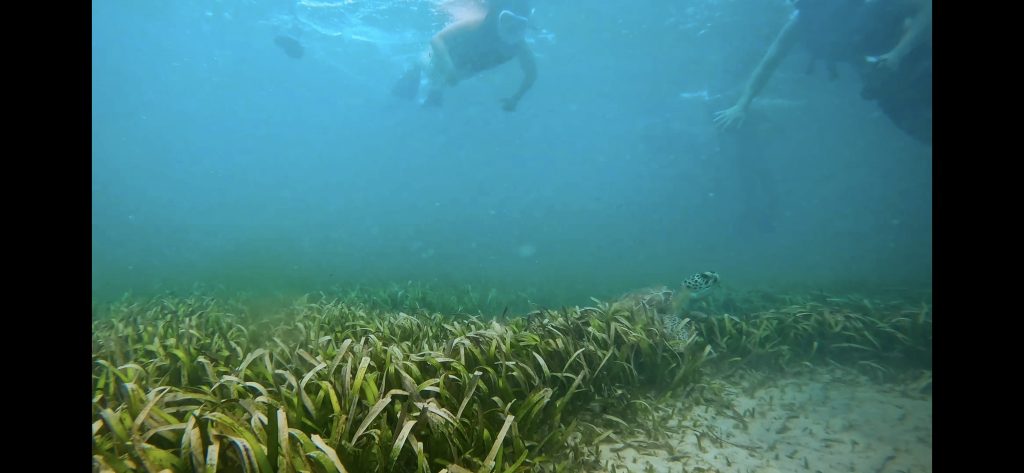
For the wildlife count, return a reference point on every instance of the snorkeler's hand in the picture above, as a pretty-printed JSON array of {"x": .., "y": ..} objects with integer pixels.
[
  {"x": 509, "y": 104},
  {"x": 890, "y": 60},
  {"x": 731, "y": 117}
]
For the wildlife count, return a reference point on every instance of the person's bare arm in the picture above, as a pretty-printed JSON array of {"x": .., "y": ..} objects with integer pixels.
[
  {"x": 529, "y": 66},
  {"x": 916, "y": 34},
  {"x": 776, "y": 52}
]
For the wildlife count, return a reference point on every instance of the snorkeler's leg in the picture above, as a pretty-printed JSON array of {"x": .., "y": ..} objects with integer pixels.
[
  {"x": 435, "y": 85},
  {"x": 408, "y": 86}
]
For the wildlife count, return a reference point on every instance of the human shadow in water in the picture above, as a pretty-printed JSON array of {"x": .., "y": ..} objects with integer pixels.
[{"x": 742, "y": 152}]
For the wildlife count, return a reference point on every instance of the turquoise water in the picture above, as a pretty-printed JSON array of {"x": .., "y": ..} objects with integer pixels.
[{"x": 219, "y": 159}]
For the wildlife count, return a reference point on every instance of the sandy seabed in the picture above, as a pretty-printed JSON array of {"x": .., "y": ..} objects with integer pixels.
[{"x": 821, "y": 421}]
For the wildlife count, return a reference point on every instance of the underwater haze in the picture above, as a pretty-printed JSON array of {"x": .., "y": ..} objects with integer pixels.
[{"x": 255, "y": 145}]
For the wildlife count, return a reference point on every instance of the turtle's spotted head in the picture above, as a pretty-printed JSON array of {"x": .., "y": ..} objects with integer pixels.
[{"x": 701, "y": 283}]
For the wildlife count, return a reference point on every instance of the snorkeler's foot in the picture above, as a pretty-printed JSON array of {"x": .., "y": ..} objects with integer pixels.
[{"x": 407, "y": 86}]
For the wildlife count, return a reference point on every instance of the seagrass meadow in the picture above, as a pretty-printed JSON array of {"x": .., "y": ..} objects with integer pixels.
[
  {"x": 410, "y": 380},
  {"x": 426, "y": 236}
]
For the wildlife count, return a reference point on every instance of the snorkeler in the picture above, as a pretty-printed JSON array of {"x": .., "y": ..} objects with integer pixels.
[
  {"x": 887, "y": 41},
  {"x": 493, "y": 36}
]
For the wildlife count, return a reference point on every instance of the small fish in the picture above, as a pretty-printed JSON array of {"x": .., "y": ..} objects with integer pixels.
[{"x": 290, "y": 46}]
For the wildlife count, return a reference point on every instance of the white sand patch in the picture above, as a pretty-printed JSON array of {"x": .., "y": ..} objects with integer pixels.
[{"x": 826, "y": 421}]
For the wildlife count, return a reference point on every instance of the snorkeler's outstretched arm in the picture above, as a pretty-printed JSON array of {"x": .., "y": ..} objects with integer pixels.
[
  {"x": 915, "y": 35},
  {"x": 529, "y": 65},
  {"x": 733, "y": 116}
]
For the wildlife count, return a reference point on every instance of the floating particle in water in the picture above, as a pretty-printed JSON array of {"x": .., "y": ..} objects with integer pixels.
[{"x": 526, "y": 251}]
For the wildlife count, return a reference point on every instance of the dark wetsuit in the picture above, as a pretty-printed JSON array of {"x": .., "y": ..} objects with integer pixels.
[
  {"x": 482, "y": 49},
  {"x": 849, "y": 30}
]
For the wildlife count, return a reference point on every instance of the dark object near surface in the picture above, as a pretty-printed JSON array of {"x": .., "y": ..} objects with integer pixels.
[
  {"x": 290, "y": 46},
  {"x": 408, "y": 86},
  {"x": 905, "y": 95}
]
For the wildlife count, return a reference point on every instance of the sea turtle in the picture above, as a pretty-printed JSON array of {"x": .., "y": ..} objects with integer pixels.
[
  {"x": 679, "y": 332},
  {"x": 694, "y": 287}
]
